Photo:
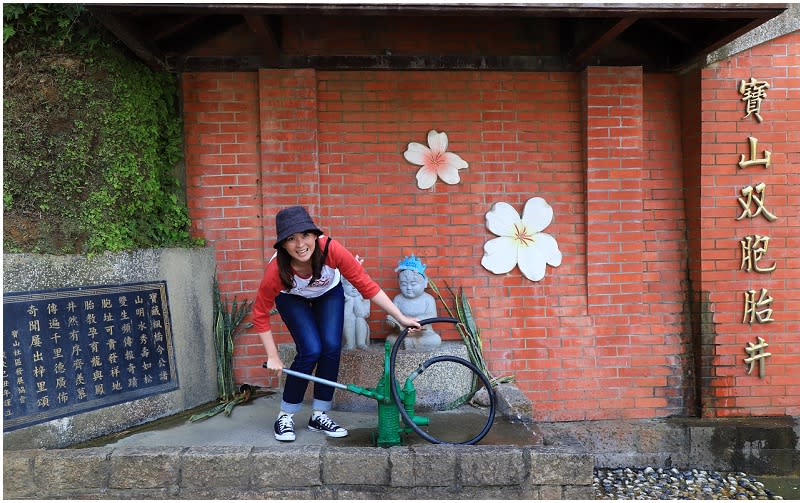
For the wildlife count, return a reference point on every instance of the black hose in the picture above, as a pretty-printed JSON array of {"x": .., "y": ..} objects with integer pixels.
[{"x": 396, "y": 393}]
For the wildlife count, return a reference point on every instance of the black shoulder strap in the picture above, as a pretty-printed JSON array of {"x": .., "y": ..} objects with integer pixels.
[{"x": 325, "y": 251}]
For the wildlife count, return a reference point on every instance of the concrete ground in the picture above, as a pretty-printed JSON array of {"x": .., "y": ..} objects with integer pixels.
[{"x": 251, "y": 424}]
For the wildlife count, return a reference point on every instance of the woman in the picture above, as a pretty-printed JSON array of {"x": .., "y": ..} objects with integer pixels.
[{"x": 303, "y": 281}]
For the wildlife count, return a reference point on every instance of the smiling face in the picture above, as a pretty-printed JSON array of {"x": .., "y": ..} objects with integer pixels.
[{"x": 300, "y": 246}]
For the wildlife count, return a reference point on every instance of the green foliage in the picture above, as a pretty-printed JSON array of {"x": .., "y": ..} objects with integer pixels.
[
  {"x": 227, "y": 321},
  {"x": 49, "y": 26},
  {"x": 469, "y": 331},
  {"x": 91, "y": 137}
]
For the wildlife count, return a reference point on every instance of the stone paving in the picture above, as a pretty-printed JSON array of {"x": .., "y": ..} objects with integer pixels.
[{"x": 672, "y": 483}]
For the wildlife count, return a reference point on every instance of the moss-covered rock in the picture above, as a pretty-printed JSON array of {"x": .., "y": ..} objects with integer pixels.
[{"x": 91, "y": 140}]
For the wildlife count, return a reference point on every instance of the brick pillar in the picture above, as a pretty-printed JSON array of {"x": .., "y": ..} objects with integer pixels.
[
  {"x": 223, "y": 182},
  {"x": 730, "y": 386},
  {"x": 613, "y": 109},
  {"x": 284, "y": 129},
  {"x": 288, "y": 130}
]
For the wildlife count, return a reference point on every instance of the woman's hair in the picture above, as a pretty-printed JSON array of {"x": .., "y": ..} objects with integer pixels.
[{"x": 285, "y": 265}]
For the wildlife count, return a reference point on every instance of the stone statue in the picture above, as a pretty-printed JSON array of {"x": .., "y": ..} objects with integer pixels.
[
  {"x": 413, "y": 301},
  {"x": 356, "y": 311}
]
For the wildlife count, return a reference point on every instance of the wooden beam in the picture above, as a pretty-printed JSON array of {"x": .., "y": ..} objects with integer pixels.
[
  {"x": 175, "y": 27},
  {"x": 700, "y": 57},
  {"x": 265, "y": 35},
  {"x": 132, "y": 38},
  {"x": 681, "y": 37},
  {"x": 374, "y": 62},
  {"x": 730, "y": 37},
  {"x": 699, "y": 10},
  {"x": 578, "y": 56}
]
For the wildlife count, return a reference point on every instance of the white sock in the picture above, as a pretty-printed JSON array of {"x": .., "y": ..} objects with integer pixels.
[
  {"x": 284, "y": 413},
  {"x": 317, "y": 413}
]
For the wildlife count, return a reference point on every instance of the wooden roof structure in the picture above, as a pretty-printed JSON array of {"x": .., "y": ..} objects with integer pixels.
[{"x": 445, "y": 36}]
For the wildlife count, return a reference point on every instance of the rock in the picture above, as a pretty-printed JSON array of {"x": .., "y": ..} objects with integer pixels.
[
  {"x": 648, "y": 483},
  {"x": 481, "y": 398}
]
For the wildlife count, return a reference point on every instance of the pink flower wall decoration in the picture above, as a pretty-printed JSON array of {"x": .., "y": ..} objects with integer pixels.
[{"x": 435, "y": 160}]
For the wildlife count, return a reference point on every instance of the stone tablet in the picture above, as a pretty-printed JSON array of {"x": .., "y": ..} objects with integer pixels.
[{"x": 72, "y": 350}]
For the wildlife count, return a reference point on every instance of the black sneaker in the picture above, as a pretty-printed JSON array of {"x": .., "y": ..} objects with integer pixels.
[
  {"x": 284, "y": 428},
  {"x": 326, "y": 425}
]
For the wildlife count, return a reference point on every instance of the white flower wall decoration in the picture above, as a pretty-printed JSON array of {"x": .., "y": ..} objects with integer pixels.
[
  {"x": 521, "y": 240},
  {"x": 435, "y": 160}
]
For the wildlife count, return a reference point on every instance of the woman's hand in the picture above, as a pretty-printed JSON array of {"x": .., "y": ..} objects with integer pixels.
[
  {"x": 274, "y": 364},
  {"x": 382, "y": 300},
  {"x": 412, "y": 323}
]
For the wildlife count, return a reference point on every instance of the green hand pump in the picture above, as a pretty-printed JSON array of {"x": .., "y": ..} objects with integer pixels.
[{"x": 395, "y": 404}]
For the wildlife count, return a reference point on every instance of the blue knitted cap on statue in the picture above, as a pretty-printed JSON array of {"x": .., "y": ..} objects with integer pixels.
[{"x": 412, "y": 263}]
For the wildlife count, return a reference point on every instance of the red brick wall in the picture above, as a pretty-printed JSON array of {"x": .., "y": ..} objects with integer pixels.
[
  {"x": 221, "y": 125},
  {"x": 725, "y": 131},
  {"x": 605, "y": 335}
]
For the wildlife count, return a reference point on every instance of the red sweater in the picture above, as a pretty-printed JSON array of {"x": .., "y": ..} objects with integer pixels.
[{"x": 339, "y": 259}]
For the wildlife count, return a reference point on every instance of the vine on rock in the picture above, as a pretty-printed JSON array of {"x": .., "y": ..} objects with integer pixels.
[{"x": 92, "y": 139}]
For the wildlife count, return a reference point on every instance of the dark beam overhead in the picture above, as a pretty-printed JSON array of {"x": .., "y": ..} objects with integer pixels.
[
  {"x": 580, "y": 55},
  {"x": 590, "y": 9},
  {"x": 130, "y": 35},
  {"x": 726, "y": 37},
  {"x": 443, "y": 36},
  {"x": 169, "y": 27},
  {"x": 676, "y": 34},
  {"x": 265, "y": 36}
]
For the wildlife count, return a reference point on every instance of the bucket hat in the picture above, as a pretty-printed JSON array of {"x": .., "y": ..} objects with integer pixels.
[{"x": 293, "y": 219}]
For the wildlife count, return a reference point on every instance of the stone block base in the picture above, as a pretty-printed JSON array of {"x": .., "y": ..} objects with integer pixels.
[{"x": 240, "y": 472}]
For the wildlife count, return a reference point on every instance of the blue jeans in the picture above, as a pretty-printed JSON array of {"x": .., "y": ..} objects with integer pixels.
[{"x": 316, "y": 327}]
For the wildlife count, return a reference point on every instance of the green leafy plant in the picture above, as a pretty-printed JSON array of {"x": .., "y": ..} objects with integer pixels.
[
  {"x": 227, "y": 322},
  {"x": 469, "y": 331},
  {"x": 52, "y": 26},
  {"x": 92, "y": 139}
]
